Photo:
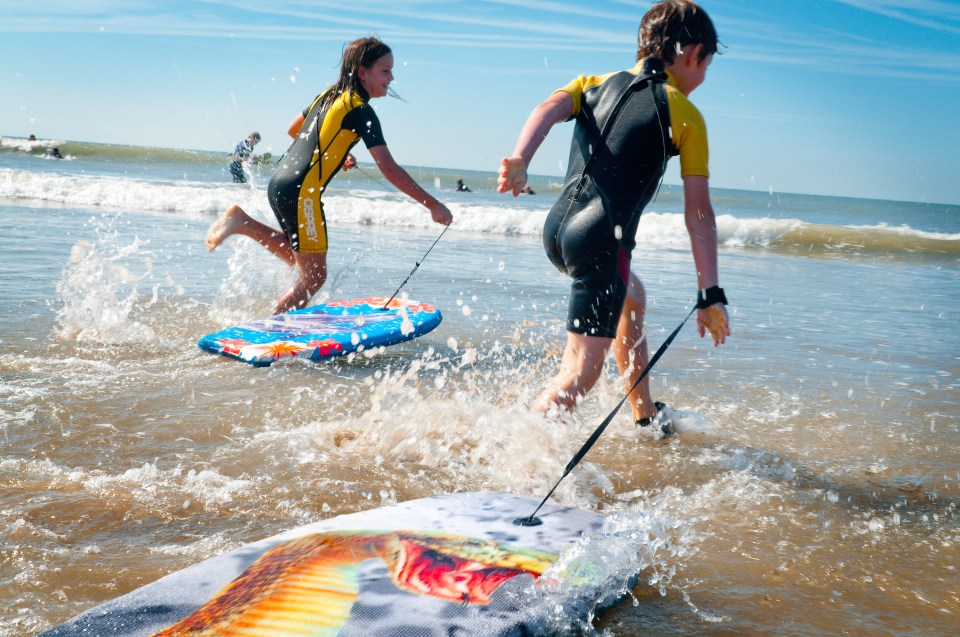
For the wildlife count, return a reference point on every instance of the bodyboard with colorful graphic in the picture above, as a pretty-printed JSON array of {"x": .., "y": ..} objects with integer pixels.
[
  {"x": 445, "y": 565},
  {"x": 324, "y": 331}
]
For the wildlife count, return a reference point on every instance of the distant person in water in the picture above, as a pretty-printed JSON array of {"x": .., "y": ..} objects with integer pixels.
[
  {"x": 527, "y": 190},
  {"x": 462, "y": 187},
  {"x": 323, "y": 135},
  {"x": 32, "y": 138},
  {"x": 54, "y": 152},
  {"x": 242, "y": 153}
]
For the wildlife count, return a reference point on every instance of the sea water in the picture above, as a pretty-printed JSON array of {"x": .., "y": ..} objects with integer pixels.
[{"x": 812, "y": 487}]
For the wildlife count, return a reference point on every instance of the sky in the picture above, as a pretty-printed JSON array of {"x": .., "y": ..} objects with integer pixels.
[{"x": 853, "y": 98}]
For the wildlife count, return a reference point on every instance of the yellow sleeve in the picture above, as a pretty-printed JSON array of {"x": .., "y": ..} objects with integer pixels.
[{"x": 689, "y": 134}]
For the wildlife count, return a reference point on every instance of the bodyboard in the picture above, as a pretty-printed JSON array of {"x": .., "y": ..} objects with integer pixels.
[
  {"x": 324, "y": 331},
  {"x": 444, "y": 565}
]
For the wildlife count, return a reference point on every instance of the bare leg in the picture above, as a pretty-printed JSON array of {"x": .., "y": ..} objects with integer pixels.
[
  {"x": 630, "y": 349},
  {"x": 579, "y": 370},
  {"x": 312, "y": 275},
  {"x": 235, "y": 221}
]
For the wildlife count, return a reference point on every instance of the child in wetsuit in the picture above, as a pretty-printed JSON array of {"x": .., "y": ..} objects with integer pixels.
[
  {"x": 323, "y": 135},
  {"x": 628, "y": 125}
]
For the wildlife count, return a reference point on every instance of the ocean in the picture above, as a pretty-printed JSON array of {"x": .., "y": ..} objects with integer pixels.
[{"x": 812, "y": 488}]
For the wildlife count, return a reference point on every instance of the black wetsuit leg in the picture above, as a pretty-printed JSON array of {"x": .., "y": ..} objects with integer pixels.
[{"x": 580, "y": 241}]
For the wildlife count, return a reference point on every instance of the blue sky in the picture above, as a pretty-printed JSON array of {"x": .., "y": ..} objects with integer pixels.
[{"x": 853, "y": 98}]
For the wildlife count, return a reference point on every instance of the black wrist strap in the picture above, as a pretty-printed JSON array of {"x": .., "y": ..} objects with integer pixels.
[{"x": 710, "y": 296}]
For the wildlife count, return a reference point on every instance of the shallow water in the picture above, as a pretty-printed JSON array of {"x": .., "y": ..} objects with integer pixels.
[{"x": 812, "y": 489}]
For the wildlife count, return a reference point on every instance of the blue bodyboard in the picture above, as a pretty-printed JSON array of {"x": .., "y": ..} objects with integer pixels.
[{"x": 324, "y": 331}]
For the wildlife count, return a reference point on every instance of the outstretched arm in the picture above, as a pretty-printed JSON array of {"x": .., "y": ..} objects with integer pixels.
[
  {"x": 405, "y": 184},
  {"x": 513, "y": 170},
  {"x": 702, "y": 226},
  {"x": 294, "y": 129}
]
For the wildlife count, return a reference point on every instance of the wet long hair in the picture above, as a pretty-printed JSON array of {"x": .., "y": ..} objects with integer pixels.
[
  {"x": 671, "y": 25},
  {"x": 363, "y": 52}
]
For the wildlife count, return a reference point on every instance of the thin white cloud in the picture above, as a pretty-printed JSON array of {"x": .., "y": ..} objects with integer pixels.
[
  {"x": 544, "y": 25},
  {"x": 931, "y": 14},
  {"x": 446, "y": 23},
  {"x": 556, "y": 8},
  {"x": 838, "y": 50},
  {"x": 468, "y": 14}
]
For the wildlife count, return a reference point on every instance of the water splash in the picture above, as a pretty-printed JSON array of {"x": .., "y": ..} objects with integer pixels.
[
  {"x": 646, "y": 543},
  {"x": 99, "y": 290}
]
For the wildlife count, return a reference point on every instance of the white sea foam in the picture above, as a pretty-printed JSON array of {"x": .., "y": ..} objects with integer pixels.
[
  {"x": 482, "y": 214},
  {"x": 26, "y": 145},
  {"x": 118, "y": 193},
  {"x": 354, "y": 206},
  {"x": 147, "y": 484}
]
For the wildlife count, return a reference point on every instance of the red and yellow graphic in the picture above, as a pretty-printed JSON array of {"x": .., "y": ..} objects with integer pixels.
[{"x": 307, "y": 586}]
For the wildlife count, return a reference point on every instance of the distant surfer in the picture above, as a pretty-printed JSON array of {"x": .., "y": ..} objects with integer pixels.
[
  {"x": 241, "y": 154},
  {"x": 462, "y": 187},
  {"x": 54, "y": 153},
  {"x": 614, "y": 170},
  {"x": 323, "y": 135}
]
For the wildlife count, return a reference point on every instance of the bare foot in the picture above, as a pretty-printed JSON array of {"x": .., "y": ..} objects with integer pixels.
[{"x": 226, "y": 225}]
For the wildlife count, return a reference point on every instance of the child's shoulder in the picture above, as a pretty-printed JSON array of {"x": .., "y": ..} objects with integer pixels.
[
  {"x": 589, "y": 81},
  {"x": 348, "y": 100}
]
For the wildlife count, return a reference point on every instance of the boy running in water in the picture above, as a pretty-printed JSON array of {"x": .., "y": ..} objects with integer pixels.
[{"x": 628, "y": 125}]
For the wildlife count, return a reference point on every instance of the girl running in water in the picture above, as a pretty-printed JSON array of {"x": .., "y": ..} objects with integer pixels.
[{"x": 323, "y": 135}]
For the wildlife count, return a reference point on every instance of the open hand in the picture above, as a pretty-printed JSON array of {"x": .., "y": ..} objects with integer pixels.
[
  {"x": 714, "y": 319},
  {"x": 513, "y": 175}
]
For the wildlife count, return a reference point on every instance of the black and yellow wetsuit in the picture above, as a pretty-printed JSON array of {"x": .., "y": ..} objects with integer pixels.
[
  {"x": 628, "y": 125},
  {"x": 314, "y": 157}
]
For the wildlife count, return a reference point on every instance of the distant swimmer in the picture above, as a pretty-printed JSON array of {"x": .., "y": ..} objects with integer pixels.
[
  {"x": 242, "y": 153},
  {"x": 527, "y": 190},
  {"x": 462, "y": 187},
  {"x": 32, "y": 138},
  {"x": 642, "y": 117},
  {"x": 54, "y": 153},
  {"x": 323, "y": 135}
]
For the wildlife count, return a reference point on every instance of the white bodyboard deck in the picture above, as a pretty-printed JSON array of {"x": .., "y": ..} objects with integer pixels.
[{"x": 445, "y": 565}]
